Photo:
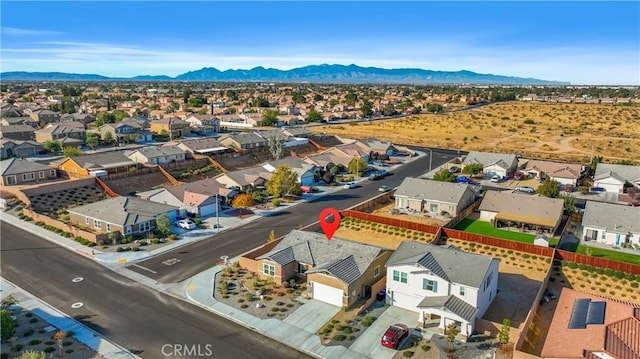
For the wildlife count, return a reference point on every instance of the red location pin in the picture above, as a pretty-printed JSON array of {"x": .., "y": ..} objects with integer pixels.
[{"x": 329, "y": 228}]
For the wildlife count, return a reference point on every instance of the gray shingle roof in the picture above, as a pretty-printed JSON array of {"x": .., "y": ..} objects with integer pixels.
[
  {"x": 123, "y": 211},
  {"x": 487, "y": 159},
  {"x": 624, "y": 172},
  {"x": 614, "y": 217},
  {"x": 245, "y": 138},
  {"x": 158, "y": 151},
  {"x": 452, "y": 304},
  {"x": 340, "y": 258},
  {"x": 15, "y": 166},
  {"x": 198, "y": 144},
  {"x": 422, "y": 189},
  {"x": 101, "y": 160},
  {"x": 450, "y": 264}
]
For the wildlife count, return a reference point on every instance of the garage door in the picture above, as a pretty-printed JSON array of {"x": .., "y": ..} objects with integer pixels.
[
  {"x": 208, "y": 210},
  {"x": 327, "y": 294}
]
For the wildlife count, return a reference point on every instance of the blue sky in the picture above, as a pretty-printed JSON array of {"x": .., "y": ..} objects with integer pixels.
[{"x": 580, "y": 42}]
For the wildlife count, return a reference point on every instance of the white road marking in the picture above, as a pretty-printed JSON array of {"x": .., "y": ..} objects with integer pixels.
[
  {"x": 147, "y": 269},
  {"x": 77, "y": 279},
  {"x": 76, "y": 305}
]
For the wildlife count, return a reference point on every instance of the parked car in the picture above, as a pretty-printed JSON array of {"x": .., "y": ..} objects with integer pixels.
[
  {"x": 547, "y": 297},
  {"x": 350, "y": 185},
  {"x": 496, "y": 179},
  {"x": 525, "y": 189},
  {"x": 394, "y": 335},
  {"x": 375, "y": 176},
  {"x": 464, "y": 179},
  {"x": 306, "y": 189},
  {"x": 633, "y": 204},
  {"x": 384, "y": 188},
  {"x": 454, "y": 169},
  {"x": 518, "y": 176},
  {"x": 185, "y": 224}
]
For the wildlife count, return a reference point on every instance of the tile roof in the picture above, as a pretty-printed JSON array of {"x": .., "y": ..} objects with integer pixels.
[
  {"x": 614, "y": 217},
  {"x": 451, "y": 303},
  {"x": 342, "y": 259},
  {"x": 555, "y": 169},
  {"x": 123, "y": 211},
  {"x": 423, "y": 189},
  {"x": 443, "y": 262}
]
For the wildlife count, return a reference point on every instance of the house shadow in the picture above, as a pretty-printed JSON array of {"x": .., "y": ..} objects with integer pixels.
[{"x": 515, "y": 298}]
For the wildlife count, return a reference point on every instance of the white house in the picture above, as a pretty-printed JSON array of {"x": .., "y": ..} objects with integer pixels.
[
  {"x": 612, "y": 224},
  {"x": 443, "y": 285},
  {"x": 564, "y": 173},
  {"x": 500, "y": 164},
  {"x": 613, "y": 178},
  {"x": 306, "y": 172},
  {"x": 157, "y": 154}
]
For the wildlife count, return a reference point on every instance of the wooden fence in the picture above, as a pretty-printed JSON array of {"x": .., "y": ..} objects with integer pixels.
[
  {"x": 498, "y": 242},
  {"x": 373, "y": 202},
  {"x": 597, "y": 262},
  {"x": 390, "y": 221},
  {"x": 137, "y": 172},
  {"x": 106, "y": 188},
  {"x": 464, "y": 214}
]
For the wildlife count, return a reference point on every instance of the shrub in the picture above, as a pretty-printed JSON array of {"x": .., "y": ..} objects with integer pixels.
[
  {"x": 339, "y": 337},
  {"x": 119, "y": 249},
  {"x": 69, "y": 351},
  {"x": 35, "y": 341},
  {"x": 407, "y": 353},
  {"x": 33, "y": 320},
  {"x": 274, "y": 309},
  {"x": 49, "y": 349},
  {"x": 49, "y": 342},
  {"x": 425, "y": 347},
  {"x": 70, "y": 333},
  {"x": 66, "y": 343},
  {"x": 283, "y": 310},
  {"x": 28, "y": 333},
  {"x": 634, "y": 284},
  {"x": 243, "y": 306},
  {"x": 172, "y": 237},
  {"x": 276, "y": 202},
  {"x": 29, "y": 315}
]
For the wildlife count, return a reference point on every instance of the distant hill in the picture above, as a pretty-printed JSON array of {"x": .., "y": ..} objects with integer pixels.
[{"x": 313, "y": 73}]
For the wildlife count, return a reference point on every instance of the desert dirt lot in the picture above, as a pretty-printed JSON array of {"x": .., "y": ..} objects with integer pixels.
[{"x": 564, "y": 132}]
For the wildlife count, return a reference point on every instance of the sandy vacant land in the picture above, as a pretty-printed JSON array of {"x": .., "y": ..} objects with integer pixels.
[{"x": 569, "y": 132}]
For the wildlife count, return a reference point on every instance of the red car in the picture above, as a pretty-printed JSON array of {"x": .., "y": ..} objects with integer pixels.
[{"x": 394, "y": 335}]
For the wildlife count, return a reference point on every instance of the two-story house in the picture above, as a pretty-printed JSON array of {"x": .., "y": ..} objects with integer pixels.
[
  {"x": 44, "y": 116},
  {"x": 124, "y": 132},
  {"x": 170, "y": 126},
  {"x": 430, "y": 281},
  {"x": 204, "y": 124},
  {"x": 18, "y": 132},
  {"x": 71, "y": 133}
]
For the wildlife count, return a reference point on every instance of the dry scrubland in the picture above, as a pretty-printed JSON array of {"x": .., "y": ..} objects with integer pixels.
[{"x": 568, "y": 132}]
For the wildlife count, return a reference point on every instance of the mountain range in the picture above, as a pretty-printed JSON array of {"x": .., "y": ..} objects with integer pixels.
[{"x": 312, "y": 73}]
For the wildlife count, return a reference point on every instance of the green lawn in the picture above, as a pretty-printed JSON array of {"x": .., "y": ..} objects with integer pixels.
[
  {"x": 611, "y": 254},
  {"x": 486, "y": 229}
]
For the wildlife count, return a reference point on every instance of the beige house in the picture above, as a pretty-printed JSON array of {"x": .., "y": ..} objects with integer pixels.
[
  {"x": 524, "y": 212},
  {"x": 337, "y": 271}
]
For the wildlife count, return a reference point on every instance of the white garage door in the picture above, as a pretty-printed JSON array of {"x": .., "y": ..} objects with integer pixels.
[{"x": 327, "y": 294}]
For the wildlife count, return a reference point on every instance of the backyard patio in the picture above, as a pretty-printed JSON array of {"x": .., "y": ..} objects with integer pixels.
[{"x": 487, "y": 229}]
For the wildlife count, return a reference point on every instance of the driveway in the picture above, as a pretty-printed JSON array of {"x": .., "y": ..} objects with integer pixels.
[
  {"x": 369, "y": 342},
  {"x": 312, "y": 315}
]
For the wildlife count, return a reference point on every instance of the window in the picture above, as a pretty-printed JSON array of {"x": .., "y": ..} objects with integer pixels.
[
  {"x": 268, "y": 269},
  {"x": 399, "y": 276},
  {"x": 52, "y": 173},
  {"x": 433, "y": 207},
  {"x": 97, "y": 223},
  {"x": 376, "y": 271},
  {"x": 11, "y": 179},
  {"x": 302, "y": 268},
  {"x": 41, "y": 174},
  {"x": 430, "y": 285},
  {"x": 108, "y": 227},
  {"x": 145, "y": 226},
  {"x": 462, "y": 291},
  {"x": 128, "y": 229},
  {"x": 488, "y": 281},
  {"x": 604, "y": 234},
  {"x": 28, "y": 176},
  {"x": 86, "y": 220}
]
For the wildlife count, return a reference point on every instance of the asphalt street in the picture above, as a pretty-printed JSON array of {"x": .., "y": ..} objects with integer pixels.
[
  {"x": 148, "y": 323},
  {"x": 185, "y": 262}
]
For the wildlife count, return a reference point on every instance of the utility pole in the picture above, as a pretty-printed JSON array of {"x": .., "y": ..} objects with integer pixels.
[{"x": 217, "y": 214}]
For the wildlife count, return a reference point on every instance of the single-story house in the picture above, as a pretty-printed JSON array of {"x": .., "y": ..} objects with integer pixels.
[
  {"x": 244, "y": 141},
  {"x": 200, "y": 198},
  {"x": 122, "y": 215},
  {"x": 563, "y": 173},
  {"x": 307, "y": 173},
  {"x": 337, "y": 271},
  {"x": 83, "y": 166},
  {"x": 16, "y": 148},
  {"x": 158, "y": 155},
  {"x": 252, "y": 177},
  {"x": 380, "y": 147},
  {"x": 16, "y": 171},
  {"x": 500, "y": 164},
  {"x": 611, "y": 224},
  {"x": 615, "y": 178},
  {"x": 17, "y": 132},
  {"x": 434, "y": 197},
  {"x": 506, "y": 209},
  {"x": 443, "y": 285},
  {"x": 206, "y": 145}
]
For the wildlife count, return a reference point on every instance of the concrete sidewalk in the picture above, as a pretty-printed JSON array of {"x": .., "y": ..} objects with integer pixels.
[
  {"x": 58, "y": 319},
  {"x": 199, "y": 290}
]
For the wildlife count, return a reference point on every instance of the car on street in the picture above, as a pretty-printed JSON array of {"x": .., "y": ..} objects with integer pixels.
[
  {"x": 185, "y": 224},
  {"x": 375, "y": 176},
  {"x": 384, "y": 188},
  {"x": 350, "y": 185},
  {"x": 496, "y": 179},
  {"x": 394, "y": 335},
  {"x": 525, "y": 189}
]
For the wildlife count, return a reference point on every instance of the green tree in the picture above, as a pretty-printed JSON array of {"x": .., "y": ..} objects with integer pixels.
[
  {"x": 351, "y": 98},
  {"x": 434, "y": 107},
  {"x": 472, "y": 168},
  {"x": 317, "y": 97},
  {"x": 8, "y": 302},
  {"x": 276, "y": 146},
  {"x": 261, "y": 102},
  {"x": 388, "y": 109},
  {"x": 70, "y": 151},
  {"x": 314, "y": 115},
  {"x": 7, "y": 325},
  {"x": 503, "y": 335},
  {"x": 231, "y": 95},
  {"x": 112, "y": 237},
  {"x": 366, "y": 108},
  {"x": 163, "y": 224},
  {"x": 283, "y": 181},
  {"x": 185, "y": 95},
  {"x": 549, "y": 188},
  {"x": 93, "y": 140},
  {"x": 452, "y": 331},
  {"x": 357, "y": 166},
  {"x": 269, "y": 117},
  {"x": 298, "y": 97},
  {"x": 51, "y": 146},
  {"x": 198, "y": 101},
  {"x": 272, "y": 236},
  {"x": 444, "y": 176},
  {"x": 108, "y": 137},
  {"x": 104, "y": 117},
  {"x": 593, "y": 164},
  {"x": 118, "y": 115},
  {"x": 569, "y": 203},
  {"x": 333, "y": 102}
]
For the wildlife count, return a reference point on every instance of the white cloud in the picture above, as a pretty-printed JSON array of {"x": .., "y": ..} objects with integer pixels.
[{"x": 14, "y": 31}]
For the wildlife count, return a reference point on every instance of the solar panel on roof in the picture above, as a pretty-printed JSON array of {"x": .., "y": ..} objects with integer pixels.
[
  {"x": 595, "y": 313},
  {"x": 578, "y": 318}
]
